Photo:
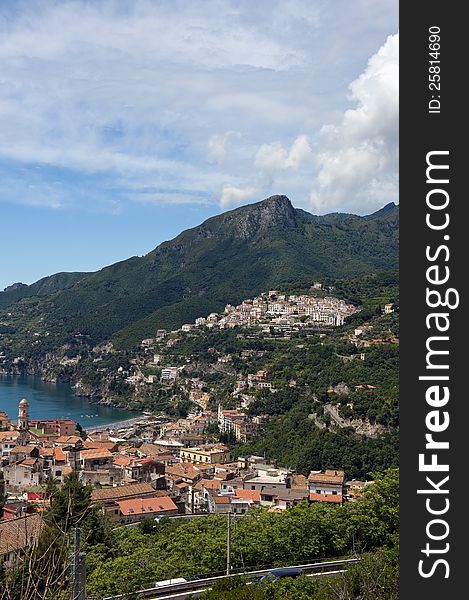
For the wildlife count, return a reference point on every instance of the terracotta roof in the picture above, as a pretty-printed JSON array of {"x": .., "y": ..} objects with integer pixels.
[
  {"x": 28, "y": 462},
  {"x": 46, "y": 452},
  {"x": 328, "y": 476},
  {"x": 68, "y": 439},
  {"x": 144, "y": 506},
  {"x": 89, "y": 444},
  {"x": 335, "y": 499},
  {"x": 183, "y": 470},
  {"x": 22, "y": 449},
  {"x": 121, "y": 491},
  {"x": 16, "y": 534},
  {"x": 59, "y": 454},
  {"x": 253, "y": 495},
  {"x": 122, "y": 460},
  {"x": 149, "y": 449},
  {"x": 7, "y": 435},
  {"x": 208, "y": 484},
  {"x": 94, "y": 454},
  {"x": 221, "y": 499}
]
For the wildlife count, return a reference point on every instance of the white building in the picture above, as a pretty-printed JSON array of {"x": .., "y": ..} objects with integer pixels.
[{"x": 169, "y": 374}]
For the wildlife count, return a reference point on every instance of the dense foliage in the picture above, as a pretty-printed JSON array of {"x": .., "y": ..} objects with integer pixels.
[
  {"x": 140, "y": 556},
  {"x": 123, "y": 560},
  {"x": 376, "y": 577}
]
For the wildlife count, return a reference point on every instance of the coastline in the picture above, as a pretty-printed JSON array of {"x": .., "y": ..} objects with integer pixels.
[
  {"x": 58, "y": 400},
  {"x": 126, "y": 423}
]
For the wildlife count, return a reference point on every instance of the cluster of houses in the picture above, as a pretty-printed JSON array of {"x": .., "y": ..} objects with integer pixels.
[
  {"x": 274, "y": 308},
  {"x": 272, "y": 311},
  {"x": 133, "y": 480}
]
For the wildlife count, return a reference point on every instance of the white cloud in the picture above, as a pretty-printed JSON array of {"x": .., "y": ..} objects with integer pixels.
[
  {"x": 273, "y": 157},
  {"x": 216, "y": 147},
  {"x": 300, "y": 153},
  {"x": 358, "y": 158},
  {"x": 151, "y": 96},
  {"x": 232, "y": 195}
]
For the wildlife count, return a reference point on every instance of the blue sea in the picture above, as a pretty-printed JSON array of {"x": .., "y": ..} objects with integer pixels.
[{"x": 55, "y": 401}]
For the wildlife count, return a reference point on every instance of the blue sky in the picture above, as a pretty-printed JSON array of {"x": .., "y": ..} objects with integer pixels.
[{"x": 123, "y": 123}]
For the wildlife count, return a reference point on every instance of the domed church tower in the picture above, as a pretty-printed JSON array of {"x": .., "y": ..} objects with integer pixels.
[{"x": 23, "y": 421}]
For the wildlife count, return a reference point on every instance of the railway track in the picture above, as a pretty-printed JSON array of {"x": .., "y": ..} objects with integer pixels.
[{"x": 196, "y": 587}]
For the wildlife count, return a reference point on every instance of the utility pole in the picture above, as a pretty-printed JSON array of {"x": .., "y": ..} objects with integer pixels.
[
  {"x": 228, "y": 544},
  {"x": 78, "y": 569}
]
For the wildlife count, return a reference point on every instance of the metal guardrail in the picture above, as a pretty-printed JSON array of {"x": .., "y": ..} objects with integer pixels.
[{"x": 200, "y": 584}]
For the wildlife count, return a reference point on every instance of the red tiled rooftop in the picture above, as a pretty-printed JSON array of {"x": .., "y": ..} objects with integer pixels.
[
  {"x": 95, "y": 454},
  {"x": 253, "y": 495},
  {"x": 7, "y": 435},
  {"x": 122, "y": 491},
  {"x": 68, "y": 439},
  {"x": 46, "y": 452},
  {"x": 22, "y": 449},
  {"x": 122, "y": 460},
  {"x": 89, "y": 444},
  {"x": 16, "y": 534},
  {"x": 59, "y": 455},
  {"x": 335, "y": 499},
  {"x": 328, "y": 476},
  {"x": 142, "y": 506},
  {"x": 221, "y": 499}
]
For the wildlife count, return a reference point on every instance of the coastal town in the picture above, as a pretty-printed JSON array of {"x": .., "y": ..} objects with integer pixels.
[
  {"x": 169, "y": 470},
  {"x": 182, "y": 460},
  {"x": 199, "y": 300}
]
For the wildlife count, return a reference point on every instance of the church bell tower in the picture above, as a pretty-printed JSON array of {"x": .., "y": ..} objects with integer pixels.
[{"x": 23, "y": 418}]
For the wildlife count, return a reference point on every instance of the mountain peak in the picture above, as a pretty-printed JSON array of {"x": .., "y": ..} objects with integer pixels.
[
  {"x": 389, "y": 210},
  {"x": 277, "y": 200},
  {"x": 15, "y": 286},
  {"x": 246, "y": 221},
  {"x": 275, "y": 210}
]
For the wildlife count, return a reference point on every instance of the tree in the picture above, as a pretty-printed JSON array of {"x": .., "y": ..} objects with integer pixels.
[
  {"x": 44, "y": 572},
  {"x": 69, "y": 504}
]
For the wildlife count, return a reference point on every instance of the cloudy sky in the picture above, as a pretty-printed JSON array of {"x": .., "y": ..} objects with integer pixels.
[{"x": 124, "y": 122}]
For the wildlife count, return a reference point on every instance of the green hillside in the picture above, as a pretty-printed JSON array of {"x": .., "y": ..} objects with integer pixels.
[
  {"x": 43, "y": 287},
  {"x": 225, "y": 259}
]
